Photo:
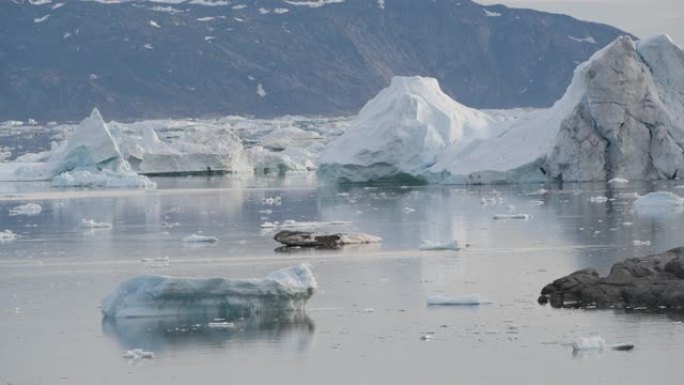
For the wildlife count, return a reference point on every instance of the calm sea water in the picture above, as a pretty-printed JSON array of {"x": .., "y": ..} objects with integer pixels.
[{"x": 365, "y": 323}]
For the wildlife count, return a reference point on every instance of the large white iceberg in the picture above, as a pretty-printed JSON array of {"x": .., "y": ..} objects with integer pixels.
[
  {"x": 621, "y": 117},
  {"x": 91, "y": 157},
  {"x": 285, "y": 290},
  {"x": 399, "y": 133}
]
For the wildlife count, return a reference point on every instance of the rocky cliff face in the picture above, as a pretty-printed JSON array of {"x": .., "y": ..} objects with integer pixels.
[{"x": 145, "y": 59}]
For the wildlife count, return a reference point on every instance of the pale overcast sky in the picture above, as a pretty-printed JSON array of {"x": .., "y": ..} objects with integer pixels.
[{"x": 643, "y": 18}]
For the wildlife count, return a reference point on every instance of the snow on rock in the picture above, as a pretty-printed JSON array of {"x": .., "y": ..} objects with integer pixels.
[
  {"x": 399, "y": 133},
  {"x": 463, "y": 300},
  {"x": 7, "y": 236},
  {"x": 431, "y": 245},
  {"x": 27, "y": 209},
  {"x": 285, "y": 290},
  {"x": 199, "y": 238}
]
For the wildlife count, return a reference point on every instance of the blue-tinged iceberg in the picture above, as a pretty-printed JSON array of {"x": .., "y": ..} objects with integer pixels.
[{"x": 283, "y": 291}]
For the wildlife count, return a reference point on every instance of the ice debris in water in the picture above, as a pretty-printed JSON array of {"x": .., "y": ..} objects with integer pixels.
[
  {"x": 199, "y": 238},
  {"x": 430, "y": 245},
  {"x": 512, "y": 216},
  {"x": 137, "y": 354},
  {"x": 27, "y": 209},
  {"x": 641, "y": 243},
  {"x": 618, "y": 181},
  {"x": 285, "y": 290},
  {"x": 462, "y": 300},
  {"x": 91, "y": 224},
  {"x": 658, "y": 199},
  {"x": 7, "y": 236},
  {"x": 598, "y": 199},
  {"x": 272, "y": 201}
]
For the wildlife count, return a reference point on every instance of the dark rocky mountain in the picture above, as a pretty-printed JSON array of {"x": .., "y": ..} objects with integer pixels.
[{"x": 144, "y": 59}]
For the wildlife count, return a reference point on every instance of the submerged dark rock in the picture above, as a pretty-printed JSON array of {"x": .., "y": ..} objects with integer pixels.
[
  {"x": 654, "y": 281},
  {"x": 323, "y": 240}
]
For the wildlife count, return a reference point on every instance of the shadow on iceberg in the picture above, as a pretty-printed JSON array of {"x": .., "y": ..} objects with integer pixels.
[{"x": 157, "y": 334}]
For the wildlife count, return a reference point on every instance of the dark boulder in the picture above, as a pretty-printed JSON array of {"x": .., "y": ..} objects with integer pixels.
[{"x": 654, "y": 281}]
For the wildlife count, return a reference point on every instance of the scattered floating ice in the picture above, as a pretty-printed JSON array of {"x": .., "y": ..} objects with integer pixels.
[
  {"x": 27, "y": 209},
  {"x": 271, "y": 201},
  {"x": 409, "y": 210},
  {"x": 541, "y": 191},
  {"x": 199, "y": 238},
  {"x": 430, "y": 245},
  {"x": 598, "y": 199},
  {"x": 462, "y": 300},
  {"x": 512, "y": 216},
  {"x": 641, "y": 243},
  {"x": 91, "y": 224},
  {"x": 7, "y": 236},
  {"x": 536, "y": 203},
  {"x": 137, "y": 354}
]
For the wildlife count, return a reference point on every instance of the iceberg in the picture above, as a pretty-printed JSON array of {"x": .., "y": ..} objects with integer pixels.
[
  {"x": 199, "y": 238},
  {"x": 621, "y": 118},
  {"x": 90, "y": 158},
  {"x": 431, "y": 245},
  {"x": 658, "y": 200},
  {"x": 7, "y": 236},
  {"x": 283, "y": 291},
  {"x": 399, "y": 133}
]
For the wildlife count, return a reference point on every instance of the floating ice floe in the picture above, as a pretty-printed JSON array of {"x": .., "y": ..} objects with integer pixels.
[
  {"x": 221, "y": 325},
  {"x": 7, "y": 236},
  {"x": 27, "y": 209},
  {"x": 618, "y": 181},
  {"x": 658, "y": 199},
  {"x": 199, "y": 238},
  {"x": 463, "y": 300},
  {"x": 285, "y": 290},
  {"x": 91, "y": 224},
  {"x": 512, "y": 216},
  {"x": 431, "y": 245},
  {"x": 598, "y": 199},
  {"x": 597, "y": 344},
  {"x": 137, "y": 354}
]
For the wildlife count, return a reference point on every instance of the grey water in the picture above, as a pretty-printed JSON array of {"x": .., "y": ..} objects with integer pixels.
[{"x": 368, "y": 321}]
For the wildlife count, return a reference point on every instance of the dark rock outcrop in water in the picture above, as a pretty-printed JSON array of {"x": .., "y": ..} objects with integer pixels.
[
  {"x": 146, "y": 59},
  {"x": 654, "y": 281},
  {"x": 323, "y": 240}
]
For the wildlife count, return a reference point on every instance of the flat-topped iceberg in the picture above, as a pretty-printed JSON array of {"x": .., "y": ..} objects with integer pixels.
[{"x": 285, "y": 290}]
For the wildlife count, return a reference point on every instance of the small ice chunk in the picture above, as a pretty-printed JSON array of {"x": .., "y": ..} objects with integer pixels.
[
  {"x": 618, "y": 181},
  {"x": 91, "y": 224},
  {"x": 27, "y": 209},
  {"x": 199, "y": 238},
  {"x": 659, "y": 199},
  {"x": 641, "y": 243},
  {"x": 588, "y": 343},
  {"x": 409, "y": 210},
  {"x": 7, "y": 236},
  {"x": 221, "y": 325},
  {"x": 430, "y": 245},
  {"x": 461, "y": 300},
  {"x": 512, "y": 216},
  {"x": 137, "y": 354},
  {"x": 598, "y": 199}
]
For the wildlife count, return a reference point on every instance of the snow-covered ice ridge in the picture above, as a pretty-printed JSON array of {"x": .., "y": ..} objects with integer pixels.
[
  {"x": 285, "y": 290},
  {"x": 621, "y": 117}
]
